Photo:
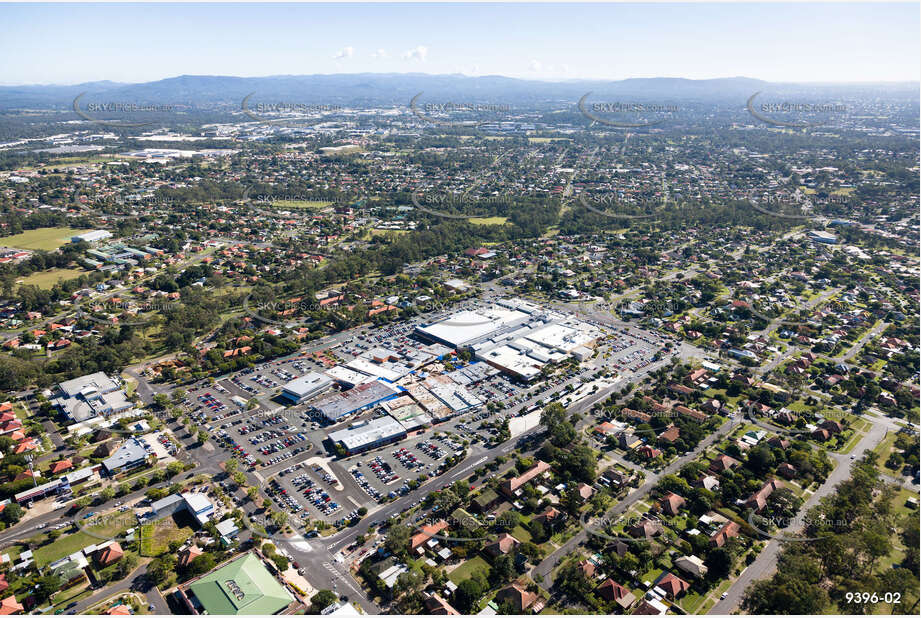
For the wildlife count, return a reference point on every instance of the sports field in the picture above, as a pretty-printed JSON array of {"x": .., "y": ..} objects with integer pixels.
[
  {"x": 48, "y": 278},
  {"x": 44, "y": 238}
]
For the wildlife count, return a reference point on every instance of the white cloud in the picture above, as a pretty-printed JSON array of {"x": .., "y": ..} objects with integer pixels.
[
  {"x": 348, "y": 52},
  {"x": 419, "y": 53},
  {"x": 381, "y": 53},
  {"x": 535, "y": 66}
]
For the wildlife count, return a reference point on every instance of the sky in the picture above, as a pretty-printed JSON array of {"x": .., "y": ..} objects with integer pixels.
[{"x": 827, "y": 42}]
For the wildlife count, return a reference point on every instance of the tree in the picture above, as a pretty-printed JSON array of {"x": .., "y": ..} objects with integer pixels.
[
  {"x": 397, "y": 542},
  {"x": 507, "y": 521},
  {"x": 503, "y": 569},
  {"x": 12, "y": 513},
  {"x": 46, "y": 586},
  {"x": 719, "y": 564},
  {"x": 562, "y": 433},
  {"x": 231, "y": 465},
  {"x": 538, "y": 531},
  {"x": 467, "y": 594},
  {"x": 161, "y": 569},
  {"x": 280, "y": 561},
  {"x": 279, "y": 518},
  {"x": 201, "y": 564},
  {"x": 321, "y": 600}
]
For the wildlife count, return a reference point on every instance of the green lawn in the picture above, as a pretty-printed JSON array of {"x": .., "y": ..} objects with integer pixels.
[
  {"x": 298, "y": 204},
  {"x": 691, "y": 602},
  {"x": 488, "y": 220},
  {"x": 521, "y": 534},
  {"x": 467, "y": 569},
  {"x": 45, "y": 238},
  {"x": 48, "y": 278},
  {"x": 64, "y": 546},
  {"x": 72, "y": 594},
  {"x": 102, "y": 527}
]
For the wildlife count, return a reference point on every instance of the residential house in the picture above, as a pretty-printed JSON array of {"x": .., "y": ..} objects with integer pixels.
[
  {"x": 511, "y": 487},
  {"x": 109, "y": 555},
  {"x": 611, "y": 591},
  {"x": 504, "y": 544},
  {"x": 437, "y": 606},
  {"x": 758, "y": 500},
  {"x": 692, "y": 565},
  {"x": 723, "y": 463},
  {"x": 517, "y": 597},
  {"x": 729, "y": 530},
  {"x": 645, "y": 528},
  {"x": 787, "y": 471},
  {"x": 427, "y": 532},
  {"x": 671, "y": 503},
  {"x": 669, "y": 436},
  {"x": 673, "y": 585}
]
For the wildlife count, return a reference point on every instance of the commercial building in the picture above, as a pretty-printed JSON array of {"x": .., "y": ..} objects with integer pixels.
[
  {"x": 515, "y": 336},
  {"x": 131, "y": 454},
  {"x": 364, "y": 396},
  {"x": 59, "y": 486},
  {"x": 195, "y": 504},
  {"x": 93, "y": 236},
  {"x": 465, "y": 328},
  {"x": 369, "y": 434},
  {"x": 301, "y": 389},
  {"x": 243, "y": 586},
  {"x": 88, "y": 396},
  {"x": 823, "y": 237}
]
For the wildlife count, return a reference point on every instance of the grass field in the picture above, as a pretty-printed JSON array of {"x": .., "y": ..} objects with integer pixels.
[
  {"x": 467, "y": 569},
  {"x": 488, "y": 220},
  {"x": 300, "y": 204},
  {"x": 45, "y": 238},
  {"x": 521, "y": 534},
  {"x": 371, "y": 233},
  {"x": 48, "y": 278},
  {"x": 64, "y": 546},
  {"x": 156, "y": 537}
]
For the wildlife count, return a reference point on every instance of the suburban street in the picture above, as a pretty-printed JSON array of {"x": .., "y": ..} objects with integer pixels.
[{"x": 766, "y": 562}]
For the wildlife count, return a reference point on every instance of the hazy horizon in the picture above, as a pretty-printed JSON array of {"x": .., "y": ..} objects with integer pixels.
[
  {"x": 418, "y": 73},
  {"x": 66, "y": 44}
]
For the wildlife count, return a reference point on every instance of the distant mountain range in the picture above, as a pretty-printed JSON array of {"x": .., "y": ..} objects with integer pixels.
[{"x": 370, "y": 89}]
